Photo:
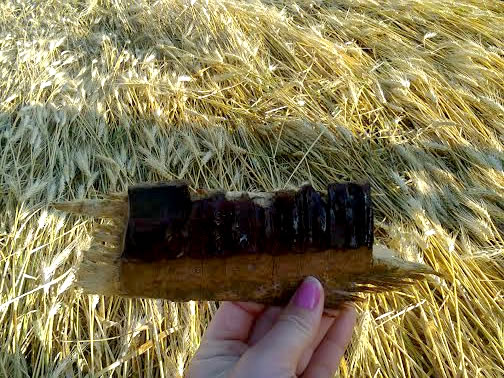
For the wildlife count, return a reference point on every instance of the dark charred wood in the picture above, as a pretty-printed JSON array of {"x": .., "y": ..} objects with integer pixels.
[{"x": 166, "y": 223}]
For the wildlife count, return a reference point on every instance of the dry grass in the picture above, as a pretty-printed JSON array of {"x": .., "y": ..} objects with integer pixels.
[{"x": 249, "y": 95}]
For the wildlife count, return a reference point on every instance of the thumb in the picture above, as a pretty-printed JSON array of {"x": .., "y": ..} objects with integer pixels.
[{"x": 295, "y": 329}]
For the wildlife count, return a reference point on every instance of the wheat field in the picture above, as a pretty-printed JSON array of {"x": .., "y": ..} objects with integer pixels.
[{"x": 251, "y": 95}]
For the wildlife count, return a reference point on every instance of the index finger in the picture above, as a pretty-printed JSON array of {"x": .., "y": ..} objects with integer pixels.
[
  {"x": 327, "y": 356},
  {"x": 233, "y": 321}
]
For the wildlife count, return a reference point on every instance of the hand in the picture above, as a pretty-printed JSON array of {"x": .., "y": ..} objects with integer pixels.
[{"x": 251, "y": 340}]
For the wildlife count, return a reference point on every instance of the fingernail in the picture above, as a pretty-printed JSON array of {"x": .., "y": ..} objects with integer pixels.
[{"x": 308, "y": 294}]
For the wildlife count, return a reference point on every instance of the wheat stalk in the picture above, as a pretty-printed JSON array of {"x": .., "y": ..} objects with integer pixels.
[{"x": 238, "y": 95}]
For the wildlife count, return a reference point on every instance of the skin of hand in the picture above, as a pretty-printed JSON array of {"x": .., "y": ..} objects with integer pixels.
[{"x": 251, "y": 340}]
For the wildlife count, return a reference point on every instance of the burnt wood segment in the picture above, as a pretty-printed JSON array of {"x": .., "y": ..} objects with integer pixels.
[{"x": 165, "y": 223}]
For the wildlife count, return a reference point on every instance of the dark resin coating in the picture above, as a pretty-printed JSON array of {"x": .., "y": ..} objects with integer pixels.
[{"x": 165, "y": 223}]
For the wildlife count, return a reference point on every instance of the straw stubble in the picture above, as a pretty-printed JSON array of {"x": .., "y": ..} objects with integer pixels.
[{"x": 253, "y": 96}]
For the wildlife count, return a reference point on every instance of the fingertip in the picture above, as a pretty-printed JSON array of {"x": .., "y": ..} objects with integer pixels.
[
  {"x": 233, "y": 321},
  {"x": 309, "y": 294},
  {"x": 252, "y": 308},
  {"x": 348, "y": 315},
  {"x": 344, "y": 324},
  {"x": 327, "y": 357}
]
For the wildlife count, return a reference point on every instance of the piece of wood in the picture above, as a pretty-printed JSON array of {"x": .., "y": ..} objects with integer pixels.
[
  {"x": 241, "y": 246},
  {"x": 162, "y": 241}
]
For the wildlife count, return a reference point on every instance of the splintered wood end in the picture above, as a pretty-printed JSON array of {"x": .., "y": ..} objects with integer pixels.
[
  {"x": 99, "y": 270},
  {"x": 389, "y": 260},
  {"x": 105, "y": 208}
]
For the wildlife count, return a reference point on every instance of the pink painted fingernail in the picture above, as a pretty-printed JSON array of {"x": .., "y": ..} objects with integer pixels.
[{"x": 308, "y": 294}]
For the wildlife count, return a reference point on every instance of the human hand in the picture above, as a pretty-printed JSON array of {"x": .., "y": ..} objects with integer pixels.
[{"x": 250, "y": 340}]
